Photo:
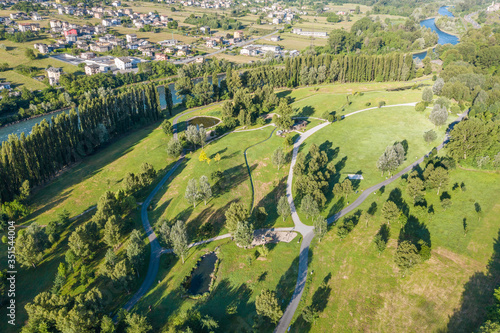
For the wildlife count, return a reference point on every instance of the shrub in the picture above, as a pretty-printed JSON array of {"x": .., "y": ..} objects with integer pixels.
[
  {"x": 368, "y": 103},
  {"x": 420, "y": 106},
  {"x": 381, "y": 104},
  {"x": 430, "y": 136}
]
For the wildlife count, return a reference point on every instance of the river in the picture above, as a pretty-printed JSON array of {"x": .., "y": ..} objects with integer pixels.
[
  {"x": 444, "y": 38},
  {"x": 26, "y": 125},
  {"x": 177, "y": 100}
]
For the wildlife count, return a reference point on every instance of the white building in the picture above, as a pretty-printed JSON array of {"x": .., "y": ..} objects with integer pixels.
[
  {"x": 123, "y": 63},
  {"x": 299, "y": 31},
  {"x": 54, "y": 74}
]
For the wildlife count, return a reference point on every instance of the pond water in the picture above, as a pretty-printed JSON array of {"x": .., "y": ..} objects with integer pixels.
[
  {"x": 443, "y": 37},
  {"x": 200, "y": 277},
  {"x": 207, "y": 122}
]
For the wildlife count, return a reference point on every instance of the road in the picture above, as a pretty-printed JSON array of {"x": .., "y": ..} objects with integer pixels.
[
  {"x": 308, "y": 231},
  {"x": 241, "y": 44}
]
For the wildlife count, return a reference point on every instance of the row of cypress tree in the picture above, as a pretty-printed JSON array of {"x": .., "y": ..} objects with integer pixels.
[
  {"x": 69, "y": 137},
  {"x": 337, "y": 68}
]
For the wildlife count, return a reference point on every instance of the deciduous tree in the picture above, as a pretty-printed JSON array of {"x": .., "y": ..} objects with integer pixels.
[
  {"x": 283, "y": 207},
  {"x": 266, "y": 304},
  {"x": 179, "y": 239}
]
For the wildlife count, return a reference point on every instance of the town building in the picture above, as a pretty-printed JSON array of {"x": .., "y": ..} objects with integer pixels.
[
  {"x": 54, "y": 74},
  {"x": 92, "y": 69},
  {"x": 123, "y": 63}
]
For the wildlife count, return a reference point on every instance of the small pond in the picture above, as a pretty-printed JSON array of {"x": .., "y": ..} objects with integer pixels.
[
  {"x": 200, "y": 277},
  {"x": 207, "y": 122}
]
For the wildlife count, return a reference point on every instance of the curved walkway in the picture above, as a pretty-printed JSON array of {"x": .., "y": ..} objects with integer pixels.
[
  {"x": 306, "y": 231},
  {"x": 308, "y": 234},
  {"x": 156, "y": 249}
]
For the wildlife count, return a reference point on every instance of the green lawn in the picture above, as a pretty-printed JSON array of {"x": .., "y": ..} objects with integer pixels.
[
  {"x": 309, "y": 102},
  {"x": 234, "y": 187},
  {"x": 14, "y": 56},
  {"x": 238, "y": 282},
  {"x": 76, "y": 190},
  {"x": 365, "y": 291},
  {"x": 355, "y": 144},
  {"x": 81, "y": 186}
]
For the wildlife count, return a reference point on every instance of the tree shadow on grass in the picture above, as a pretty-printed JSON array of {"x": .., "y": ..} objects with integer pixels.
[
  {"x": 413, "y": 231},
  {"x": 270, "y": 202},
  {"x": 321, "y": 295},
  {"x": 225, "y": 297},
  {"x": 286, "y": 284},
  {"x": 396, "y": 196},
  {"x": 477, "y": 296},
  {"x": 338, "y": 206},
  {"x": 306, "y": 111},
  {"x": 372, "y": 209}
]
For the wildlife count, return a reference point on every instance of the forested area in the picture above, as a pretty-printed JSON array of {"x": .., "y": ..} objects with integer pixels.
[
  {"x": 376, "y": 37},
  {"x": 470, "y": 77},
  {"x": 38, "y": 157},
  {"x": 304, "y": 70}
]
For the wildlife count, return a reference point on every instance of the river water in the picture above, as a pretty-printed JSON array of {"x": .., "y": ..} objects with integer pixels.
[
  {"x": 26, "y": 125},
  {"x": 444, "y": 38},
  {"x": 175, "y": 98}
]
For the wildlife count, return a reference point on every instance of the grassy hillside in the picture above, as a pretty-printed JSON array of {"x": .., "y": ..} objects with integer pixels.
[{"x": 364, "y": 291}]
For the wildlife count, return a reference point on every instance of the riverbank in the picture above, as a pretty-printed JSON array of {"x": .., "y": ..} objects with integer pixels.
[{"x": 440, "y": 27}]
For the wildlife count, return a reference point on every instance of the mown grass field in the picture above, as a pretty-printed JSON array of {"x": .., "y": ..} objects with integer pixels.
[
  {"x": 235, "y": 186},
  {"x": 364, "y": 291},
  {"x": 241, "y": 276},
  {"x": 355, "y": 144},
  {"x": 80, "y": 187}
]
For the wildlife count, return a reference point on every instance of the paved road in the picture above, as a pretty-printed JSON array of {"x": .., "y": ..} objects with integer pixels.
[
  {"x": 308, "y": 231},
  {"x": 156, "y": 249},
  {"x": 187, "y": 60}
]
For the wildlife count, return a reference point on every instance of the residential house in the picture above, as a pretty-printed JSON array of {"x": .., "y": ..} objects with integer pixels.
[
  {"x": 5, "y": 85},
  {"x": 131, "y": 38},
  {"x": 132, "y": 46},
  {"x": 116, "y": 3},
  {"x": 275, "y": 38},
  {"x": 148, "y": 53},
  {"x": 36, "y": 17},
  {"x": 54, "y": 74},
  {"x": 100, "y": 47},
  {"x": 42, "y": 48},
  {"x": 238, "y": 34},
  {"x": 24, "y": 27},
  {"x": 161, "y": 56},
  {"x": 92, "y": 69},
  {"x": 205, "y": 30},
  {"x": 87, "y": 55},
  {"x": 168, "y": 42}
]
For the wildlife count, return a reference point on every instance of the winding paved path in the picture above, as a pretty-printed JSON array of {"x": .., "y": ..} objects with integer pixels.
[{"x": 308, "y": 231}]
